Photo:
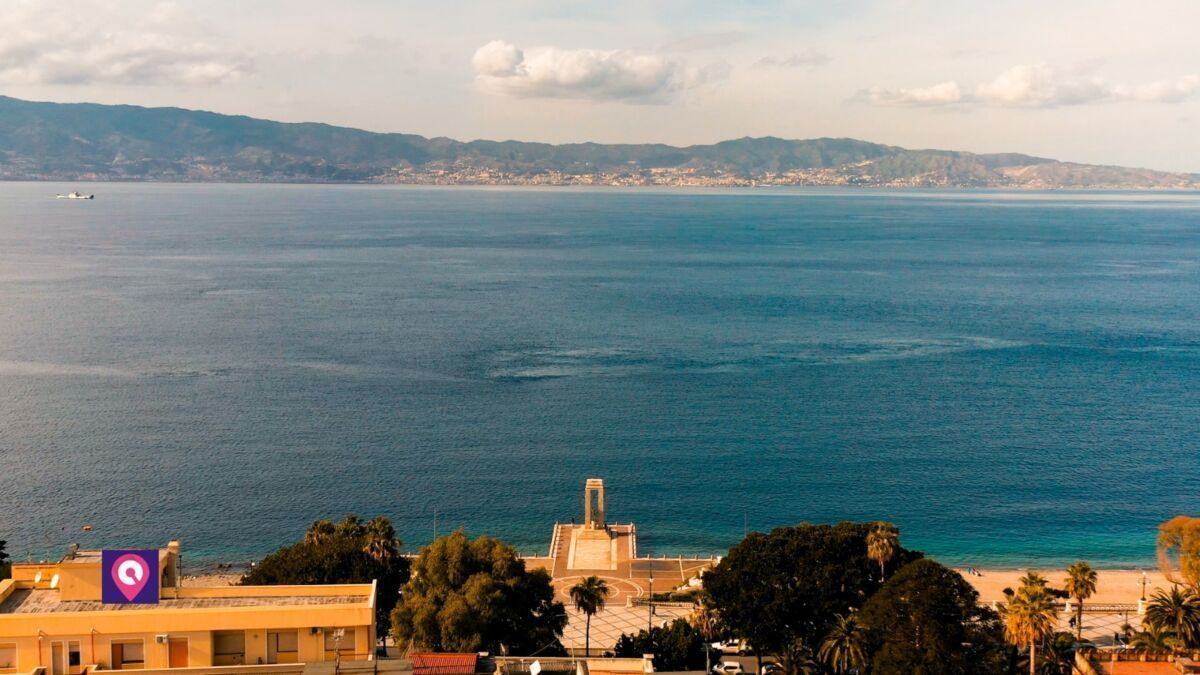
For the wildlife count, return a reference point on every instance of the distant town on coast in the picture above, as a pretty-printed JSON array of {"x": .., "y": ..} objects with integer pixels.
[{"x": 90, "y": 142}]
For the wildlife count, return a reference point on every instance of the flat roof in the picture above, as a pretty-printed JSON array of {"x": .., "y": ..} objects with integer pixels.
[{"x": 45, "y": 601}]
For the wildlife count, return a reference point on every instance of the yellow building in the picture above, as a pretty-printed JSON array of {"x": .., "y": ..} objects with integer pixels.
[{"x": 51, "y": 618}]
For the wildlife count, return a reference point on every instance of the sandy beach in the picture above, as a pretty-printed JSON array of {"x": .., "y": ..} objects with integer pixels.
[
  {"x": 207, "y": 580},
  {"x": 1113, "y": 586}
]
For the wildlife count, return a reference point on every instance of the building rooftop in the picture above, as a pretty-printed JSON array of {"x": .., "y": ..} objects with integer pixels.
[{"x": 44, "y": 601}]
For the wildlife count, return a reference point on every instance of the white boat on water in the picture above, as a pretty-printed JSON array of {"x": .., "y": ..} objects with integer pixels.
[{"x": 75, "y": 195}]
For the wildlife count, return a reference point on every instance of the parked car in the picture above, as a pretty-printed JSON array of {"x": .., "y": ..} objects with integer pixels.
[
  {"x": 771, "y": 669},
  {"x": 737, "y": 646},
  {"x": 728, "y": 668}
]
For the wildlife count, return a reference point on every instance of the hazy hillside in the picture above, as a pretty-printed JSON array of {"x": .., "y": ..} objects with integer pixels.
[{"x": 101, "y": 142}]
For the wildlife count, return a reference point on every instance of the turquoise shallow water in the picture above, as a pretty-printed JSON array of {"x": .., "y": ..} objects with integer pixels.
[{"x": 1012, "y": 378}]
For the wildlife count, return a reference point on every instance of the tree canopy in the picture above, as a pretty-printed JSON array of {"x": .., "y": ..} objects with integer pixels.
[
  {"x": 676, "y": 647},
  {"x": 784, "y": 590},
  {"x": 351, "y": 551},
  {"x": 1177, "y": 611},
  {"x": 926, "y": 619},
  {"x": 476, "y": 595},
  {"x": 1179, "y": 550}
]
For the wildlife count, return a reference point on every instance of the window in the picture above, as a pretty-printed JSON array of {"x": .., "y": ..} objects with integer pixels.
[
  {"x": 128, "y": 655},
  {"x": 73, "y": 660},
  {"x": 283, "y": 647},
  {"x": 335, "y": 646},
  {"x": 8, "y": 658},
  {"x": 229, "y": 648}
]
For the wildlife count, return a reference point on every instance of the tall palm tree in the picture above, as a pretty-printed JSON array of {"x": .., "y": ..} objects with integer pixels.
[
  {"x": 1030, "y": 618},
  {"x": 1177, "y": 611},
  {"x": 380, "y": 540},
  {"x": 708, "y": 624},
  {"x": 1081, "y": 585},
  {"x": 589, "y": 596},
  {"x": 882, "y": 543},
  {"x": 844, "y": 648}
]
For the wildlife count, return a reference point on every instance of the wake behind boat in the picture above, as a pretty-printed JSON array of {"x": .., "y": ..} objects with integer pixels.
[{"x": 75, "y": 195}]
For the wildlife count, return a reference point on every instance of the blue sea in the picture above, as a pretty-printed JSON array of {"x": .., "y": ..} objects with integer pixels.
[{"x": 1011, "y": 378}]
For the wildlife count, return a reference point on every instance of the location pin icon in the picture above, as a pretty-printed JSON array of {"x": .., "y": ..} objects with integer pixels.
[{"x": 131, "y": 574}]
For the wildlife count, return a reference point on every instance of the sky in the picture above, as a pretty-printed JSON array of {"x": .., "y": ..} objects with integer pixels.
[{"x": 1100, "y": 82}]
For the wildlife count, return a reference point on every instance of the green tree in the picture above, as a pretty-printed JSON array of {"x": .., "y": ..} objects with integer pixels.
[
  {"x": 379, "y": 541},
  {"x": 1177, "y": 611},
  {"x": 1058, "y": 654},
  {"x": 589, "y": 596},
  {"x": 1155, "y": 638},
  {"x": 677, "y": 646},
  {"x": 1179, "y": 550},
  {"x": 476, "y": 595},
  {"x": 1030, "y": 618},
  {"x": 844, "y": 647},
  {"x": 707, "y": 620},
  {"x": 784, "y": 590},
  {"x": 1081, "y": 585},
  {"x": 339, "y": 554},
  {"x": 882, "y": 543},
  {"x": 319, "y": 532},
  {"x": 927, "y": 619}
]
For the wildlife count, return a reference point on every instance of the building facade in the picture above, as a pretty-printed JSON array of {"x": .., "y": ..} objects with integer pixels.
[{"x": 52, "y": 618}]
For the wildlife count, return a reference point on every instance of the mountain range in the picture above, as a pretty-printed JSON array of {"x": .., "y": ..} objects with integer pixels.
[{"x": 85, "y": 141}]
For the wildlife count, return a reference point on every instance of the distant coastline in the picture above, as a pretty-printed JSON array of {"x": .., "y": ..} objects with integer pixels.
[{"x": 90, "y": 142}]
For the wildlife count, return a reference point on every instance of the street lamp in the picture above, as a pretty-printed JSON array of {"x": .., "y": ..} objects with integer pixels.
[{"x": 650, "y": 612}]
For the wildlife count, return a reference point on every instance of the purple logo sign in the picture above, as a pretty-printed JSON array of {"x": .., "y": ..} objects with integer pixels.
[{"x": 129, "y": 577}]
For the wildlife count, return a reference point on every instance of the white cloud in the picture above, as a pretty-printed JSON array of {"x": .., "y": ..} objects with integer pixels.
[
  {"x": 497, "y": 59},
  {"x": 52, "y": 46},
  {"x": 1041, "y": 86},
  {"x": 946, "y": 93},
  {"x": 549, "y": 72},
  {"x": 1163, "y": 91},
  {"x": 1038, "y": 86}
]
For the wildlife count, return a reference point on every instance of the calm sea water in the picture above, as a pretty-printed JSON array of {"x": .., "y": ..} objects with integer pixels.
[{"x": 1012, "y": 378}]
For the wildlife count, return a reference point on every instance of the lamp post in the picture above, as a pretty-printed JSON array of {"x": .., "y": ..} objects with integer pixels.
[
  {"x": 650, "y": 611},
  {"x": 338, "y": 634}
]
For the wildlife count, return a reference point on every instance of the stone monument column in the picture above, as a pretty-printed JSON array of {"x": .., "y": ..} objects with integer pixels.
[{"x": 593, "y": 517}]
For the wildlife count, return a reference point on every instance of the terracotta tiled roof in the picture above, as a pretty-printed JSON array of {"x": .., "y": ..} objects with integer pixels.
[{"x": 443, "y": 664}]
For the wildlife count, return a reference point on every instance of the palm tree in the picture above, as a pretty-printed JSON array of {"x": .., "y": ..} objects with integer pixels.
[
  {"x": 589, "y": 596},
  {"x": 1059, "y": 655},
  {"x": 319, "y": 532},
  {"x": 882, "y": 543},
  {"x": 708, "y": 624},
  {"x": 1033, "y": 579},
  {"x": 1029, "y": 619},
  {"x": 351, "y": 526},
  {"x": 1177, "y": 611},
  {"x": 1081, "y": 585},
  {"x": 1155, "y": 638},
  {"x": 380, "y": 540},
  {"x": 844, "y": 647}
]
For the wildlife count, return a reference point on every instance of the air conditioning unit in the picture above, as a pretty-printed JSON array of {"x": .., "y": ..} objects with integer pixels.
[{"x": 161, "y": 639}]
